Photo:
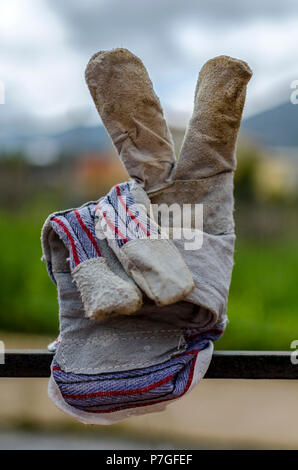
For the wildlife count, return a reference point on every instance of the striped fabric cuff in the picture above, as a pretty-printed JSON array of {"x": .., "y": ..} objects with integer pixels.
[
  {"x": 112, "y": 392},
  {"x": 123, "y": 219},
  {"x": 76, "y": 229}
]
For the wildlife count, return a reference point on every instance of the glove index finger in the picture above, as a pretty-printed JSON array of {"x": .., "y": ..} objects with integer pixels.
[{"x": 132, "y": 114}]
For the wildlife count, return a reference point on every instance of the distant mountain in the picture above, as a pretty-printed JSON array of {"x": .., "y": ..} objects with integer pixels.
[
  {"x": 277, "y": 127},
  {"x": 83, "y": 138},
  {"x": 72, "y": 141}
]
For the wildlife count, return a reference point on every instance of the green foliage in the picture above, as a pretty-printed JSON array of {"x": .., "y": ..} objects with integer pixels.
[
  {"x": 28, "y": 300},
  {"x": 248, "y": 158},
  {"x": 263, "y": 303}
]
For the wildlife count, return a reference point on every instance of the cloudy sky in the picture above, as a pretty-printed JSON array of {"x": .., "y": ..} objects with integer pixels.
[{"x": 45, "y": 45}]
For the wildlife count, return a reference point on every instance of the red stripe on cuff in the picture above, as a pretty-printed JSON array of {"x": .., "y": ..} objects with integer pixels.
[
  {"x": 73, "y": 245},
  {"x": 87, "y": 231}
]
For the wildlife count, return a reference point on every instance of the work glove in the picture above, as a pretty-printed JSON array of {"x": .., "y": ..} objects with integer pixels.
[
  {"x": 105, "y": 371},
  {"x": 202, "y": 177}
]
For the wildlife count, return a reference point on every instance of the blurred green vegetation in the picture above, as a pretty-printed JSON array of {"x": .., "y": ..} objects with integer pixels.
[
  {"x": 263, "y": 301},
  {"x": 28, "y": 300}
]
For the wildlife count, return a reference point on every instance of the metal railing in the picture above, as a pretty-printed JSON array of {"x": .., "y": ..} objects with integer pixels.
[{"x": 224, "y": 365}]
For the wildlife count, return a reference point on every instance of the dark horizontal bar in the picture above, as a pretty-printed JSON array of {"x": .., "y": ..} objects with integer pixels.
[
  {"x": 224, "y": 365},
  {"x": 26, "y": 363},
  {"x": 252, "y": 365}
]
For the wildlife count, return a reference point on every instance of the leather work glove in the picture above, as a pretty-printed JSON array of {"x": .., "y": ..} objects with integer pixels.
[
  {"x": 202, "y": 177},
  {"x": 125, "y": 365},
  {"x": 104, "y": 372}
]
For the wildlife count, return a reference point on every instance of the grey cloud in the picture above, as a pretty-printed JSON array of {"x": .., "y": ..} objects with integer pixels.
[
  {"x": 94, "y": 21},
  {"x": 148, "y": 28}
]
